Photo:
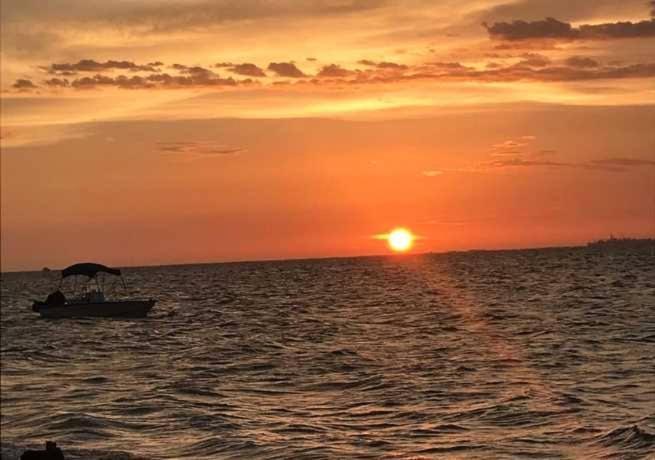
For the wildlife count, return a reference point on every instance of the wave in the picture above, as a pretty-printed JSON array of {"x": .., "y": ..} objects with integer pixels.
[
  {"x": 10, "y": 451},
  {"x": 630, "y": 437}
]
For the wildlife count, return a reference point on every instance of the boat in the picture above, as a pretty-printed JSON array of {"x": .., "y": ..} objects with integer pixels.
[{"x": 91, "y": 302}]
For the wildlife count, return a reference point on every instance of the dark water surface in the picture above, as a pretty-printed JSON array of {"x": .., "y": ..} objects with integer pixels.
[{"x": 511, "y": 354}]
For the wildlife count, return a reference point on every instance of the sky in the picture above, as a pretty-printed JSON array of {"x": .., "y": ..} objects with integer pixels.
[{"x": 138, "y": 132}]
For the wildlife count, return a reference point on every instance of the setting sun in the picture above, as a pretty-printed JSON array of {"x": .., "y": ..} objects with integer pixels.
[{"x": 400, "y": 239}]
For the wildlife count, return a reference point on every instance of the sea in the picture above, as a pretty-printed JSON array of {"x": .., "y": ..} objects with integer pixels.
[{"x": 524, "y": 354}]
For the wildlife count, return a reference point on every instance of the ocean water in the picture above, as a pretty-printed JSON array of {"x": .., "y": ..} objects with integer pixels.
[{"x": 479, "y": 355}]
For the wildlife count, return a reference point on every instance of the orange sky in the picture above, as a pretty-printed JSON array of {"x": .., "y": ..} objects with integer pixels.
[{"x": 149, "y": 131}]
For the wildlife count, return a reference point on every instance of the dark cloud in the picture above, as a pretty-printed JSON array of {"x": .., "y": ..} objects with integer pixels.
[
  {"x": 618, "y": 30},
  {"x": 530, "y": 67},
  {"x": 497, "y": 73},
  {"x": 334, "y": 70},
  {"x": 23, "y": 84},
  {"x": 563, "y": 73},
  {"x": 89, "y": 65},
  {"x": 551, "y": 28},
  {"x": 382, "y": 65},
  {"x": 196, "y": 71},
  {"x": 248, "y": 69},
  {"x": 133, "y": 82},
  {"x": 391, "y": 65},
  {"x": 196, "y": 79},
  {"x": 581, "y": 61},
  {"x": 92, "y": 82},
  {"x": 286, "y": 69},
  {"x": 57, "y": 82},
  {"x": 121, "y": 81},
  {"x": 522, "y": 30},
  {"x": 445, "y": 65}
]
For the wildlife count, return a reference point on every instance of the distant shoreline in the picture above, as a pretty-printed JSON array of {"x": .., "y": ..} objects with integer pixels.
[{"x": 609, "y": 243}]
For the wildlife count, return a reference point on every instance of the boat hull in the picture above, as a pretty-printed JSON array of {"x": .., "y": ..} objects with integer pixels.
[{"x": 120, "y": 309}]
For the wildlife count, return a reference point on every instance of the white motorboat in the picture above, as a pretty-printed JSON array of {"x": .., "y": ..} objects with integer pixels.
[{"x": 92, "y": 301}]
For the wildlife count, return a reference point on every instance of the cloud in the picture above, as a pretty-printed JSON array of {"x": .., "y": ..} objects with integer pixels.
[
  {"x": 511, "y": 147},
  {"x": 198, "y": 149},
  {"x": 432, "y": 173},
  {"x": 623, "y": 162},
  {"x": 522, "y": 162},
  {"x": 134, "y": 82},
  {"x": 523, "y": 30},
  {"x": 89, "y": 65},
  {"x": 534, "y": 60},
  {"x": 510, "y": 144},
  {"x": 581, "y": 61},
  {"x": 334, "y": 70},
  {"x": 196, "y": 78},
  {"x": 607, "y": 164},
  {"x": 551, "y": 28},
  {"x": 625, "y": 29},
  {"x": 383, "y": 65},
  {"x": 516, "y": 72},
  {"x": 530, "y": 67},
  {"x": 57, "y": 82},
  {"x": 193, "y": 70},
  {"x": 23, "y": 84},
  {"x": 248, "y": 69},
  {"x": 286, "y": 69},
  {"x": 164, "y": 16}
]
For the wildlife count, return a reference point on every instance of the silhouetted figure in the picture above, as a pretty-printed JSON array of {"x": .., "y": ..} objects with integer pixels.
[
  {"x": 56, "y": 299},
  {"x": 51, "y": 452}
]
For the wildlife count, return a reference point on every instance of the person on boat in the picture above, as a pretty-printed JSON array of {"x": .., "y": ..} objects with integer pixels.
[
  {"x": 56, "y": 299},
  {"x": 95, "y": 295}
]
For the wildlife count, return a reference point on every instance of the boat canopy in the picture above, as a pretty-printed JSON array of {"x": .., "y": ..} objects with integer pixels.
[{"x": 88, "y": 269}]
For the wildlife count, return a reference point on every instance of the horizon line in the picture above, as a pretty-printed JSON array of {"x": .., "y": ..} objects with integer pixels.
[{"x": 296, "y": 259}]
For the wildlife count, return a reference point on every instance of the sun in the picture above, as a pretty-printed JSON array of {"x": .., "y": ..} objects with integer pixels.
[{"x": 400, "y": 239}]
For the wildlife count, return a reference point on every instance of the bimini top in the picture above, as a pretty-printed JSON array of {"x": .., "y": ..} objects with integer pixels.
[{"x": 88, "y": 269}]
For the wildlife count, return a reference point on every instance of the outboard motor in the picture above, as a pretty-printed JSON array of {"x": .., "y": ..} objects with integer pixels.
[{"x": 51, "y": 452}]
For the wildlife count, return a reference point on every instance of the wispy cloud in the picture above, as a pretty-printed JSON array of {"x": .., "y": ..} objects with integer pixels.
[
  {"x": 605, "y": 164},
  {"x": 432, "y": 173},
  {"x": 198, "y": 149},
  {"x": 623, "y": 162}
]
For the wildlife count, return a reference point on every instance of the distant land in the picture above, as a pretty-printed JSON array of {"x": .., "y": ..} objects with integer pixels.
[{"x": 622, "y": 243}]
